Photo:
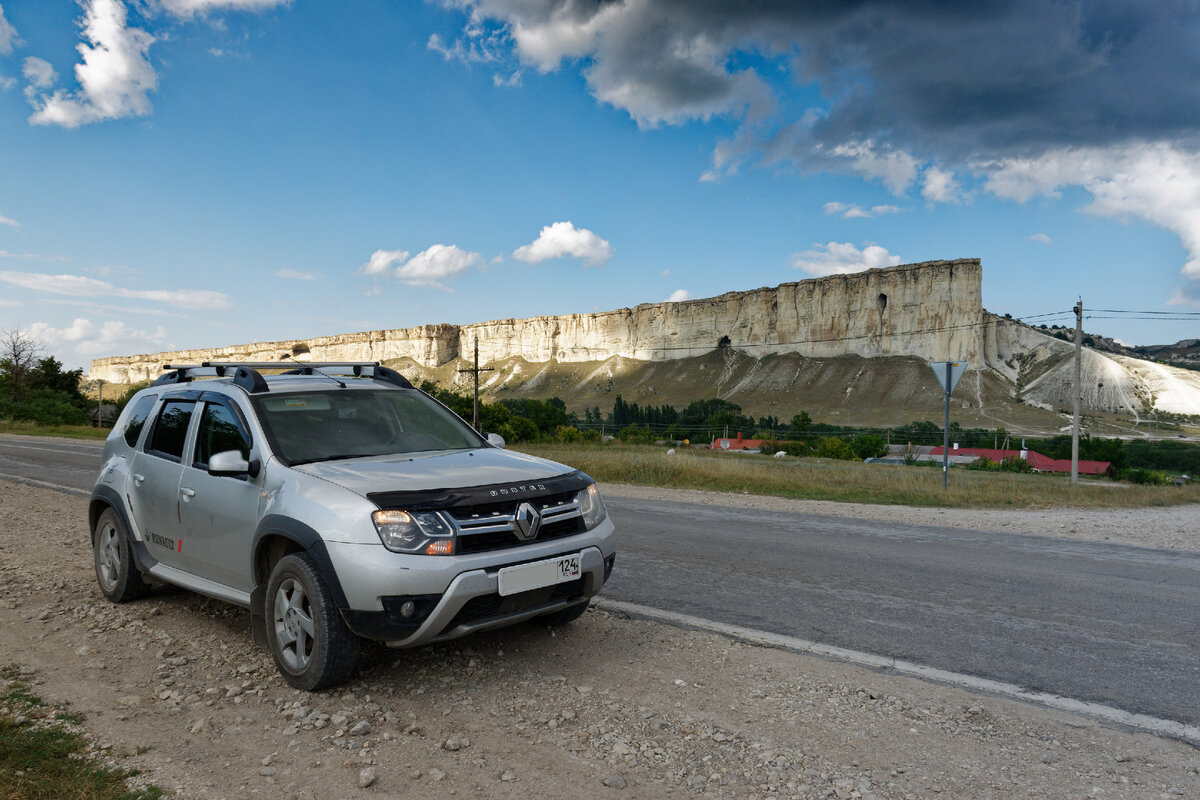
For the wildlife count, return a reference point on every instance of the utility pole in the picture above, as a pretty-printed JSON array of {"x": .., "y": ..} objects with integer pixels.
[
  {"x": 1077, "y": 391},
  {"x": 100, "y": 403},
  {"x": 476, "y": 370}
]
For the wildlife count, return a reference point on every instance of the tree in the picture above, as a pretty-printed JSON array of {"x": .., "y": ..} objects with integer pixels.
[
  {"x": 18, "y": 358},
  {"x": 800, "y": 425}
]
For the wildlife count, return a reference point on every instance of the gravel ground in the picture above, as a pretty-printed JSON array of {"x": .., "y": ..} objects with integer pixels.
[
  {"x": 610, "y": 706},
  {"x": 1172, "y": 527}
]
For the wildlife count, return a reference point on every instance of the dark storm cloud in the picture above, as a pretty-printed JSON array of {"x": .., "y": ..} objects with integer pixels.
[{"x": 946, "y": 79}]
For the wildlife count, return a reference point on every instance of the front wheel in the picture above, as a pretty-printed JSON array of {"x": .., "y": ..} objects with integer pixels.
[
  {"x": 118, "y": 575},
  {"x": 309, "y": 641}
]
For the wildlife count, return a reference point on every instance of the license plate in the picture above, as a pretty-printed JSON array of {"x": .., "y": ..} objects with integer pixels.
[{"x": 524, "y": 577}]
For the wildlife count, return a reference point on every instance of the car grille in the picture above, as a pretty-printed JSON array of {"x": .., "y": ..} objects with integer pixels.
[
  {"x": 493, "y": 526},
  {"x": 488, "y": 606}
]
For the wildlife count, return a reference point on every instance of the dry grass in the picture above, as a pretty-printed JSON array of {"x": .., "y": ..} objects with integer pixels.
[
  {"x": 66, "y": 431},
  {"x": 823, "y": 479}
]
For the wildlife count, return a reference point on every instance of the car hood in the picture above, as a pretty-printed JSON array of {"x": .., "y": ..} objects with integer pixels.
[{"x": 425, "y": 471}]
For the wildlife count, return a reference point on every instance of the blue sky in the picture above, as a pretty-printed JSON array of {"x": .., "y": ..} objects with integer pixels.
[{"x": 193, "y": 173}]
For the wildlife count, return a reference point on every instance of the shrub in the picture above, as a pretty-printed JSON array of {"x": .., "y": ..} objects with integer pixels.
[
  {"x": 984, "y": 464},
  {"x": 1146, "y": 477},
  {"x": 1015, "y": 464},
  {"x": 636, "y": 435},
  {"x": 869, "y": 445},
  {"x": 835, "y": 448}
]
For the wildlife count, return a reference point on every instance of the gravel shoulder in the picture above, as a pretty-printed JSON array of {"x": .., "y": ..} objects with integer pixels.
[
  {"x": 173, "y": 686},
  {"x": 1170, "y": 527}
]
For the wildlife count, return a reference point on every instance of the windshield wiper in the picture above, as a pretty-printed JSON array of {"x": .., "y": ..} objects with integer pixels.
[{"x": 339, "y": 457}]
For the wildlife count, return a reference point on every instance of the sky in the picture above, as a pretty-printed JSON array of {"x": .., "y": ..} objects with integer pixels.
[{"x": 199, "y": 173}]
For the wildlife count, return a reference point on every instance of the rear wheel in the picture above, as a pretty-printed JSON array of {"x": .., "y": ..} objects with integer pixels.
[
  {"x": 308, "y": 638},
  {"x": 118, "y": 575}
]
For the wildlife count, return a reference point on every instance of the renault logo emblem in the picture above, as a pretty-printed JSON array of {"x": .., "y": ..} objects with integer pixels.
[{"x": 528, "y": 521}]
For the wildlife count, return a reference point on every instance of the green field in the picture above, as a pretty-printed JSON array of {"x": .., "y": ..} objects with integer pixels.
[{"x": 851, "y": 482}]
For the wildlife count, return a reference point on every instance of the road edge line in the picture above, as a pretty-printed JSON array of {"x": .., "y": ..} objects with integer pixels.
[
  {"x": 58, "y": 487},
  {"x": 1128, "y": 719}
]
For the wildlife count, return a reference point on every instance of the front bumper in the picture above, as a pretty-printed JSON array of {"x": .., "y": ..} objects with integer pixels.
[{"x": 472, "y": 603}]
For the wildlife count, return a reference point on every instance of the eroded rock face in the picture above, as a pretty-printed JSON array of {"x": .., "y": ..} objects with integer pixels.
[{"x": 932, "y": 310}]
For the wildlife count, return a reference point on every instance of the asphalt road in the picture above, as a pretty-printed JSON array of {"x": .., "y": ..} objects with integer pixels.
[{"x": 1104, "y": 623}]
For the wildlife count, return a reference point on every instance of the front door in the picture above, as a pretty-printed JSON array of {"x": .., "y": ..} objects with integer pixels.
[{"x": 219, "y": 512}]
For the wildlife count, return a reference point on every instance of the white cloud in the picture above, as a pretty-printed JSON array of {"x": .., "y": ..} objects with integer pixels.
[
  {"x": 666, "y": 273},
  {"x": 1041, "y": 238},
  {"x": 433, "y": 265},
  {"x": 940, "y": 186},
  {"x": 895, "y": 168},
  {"x": 855, "y": 211},
  {"x": 12, "y": 223},
  {"x": 501, "y": 82},
  {"x": 564, "y": 239},
  {"x": 187, "y": 9},
  {"x": 679, "y": 295},
  {"x": 383, "y": 260},
  {"x": 115, "y": 309},
  {"x": 8, "y": 303},
  {"x": 842, "y": 257},
  {"x": 31, "y": 256},
  {"x": 81, "y": 286},
  {"x": 1156, "y": 182},
  {"x": 476, "y": 48},
  {"x": 85, "y": 339},
  {"x": 295, "y": 275},
  {"x": 38, "y": 72},
  {"x": 8, "y": 35},
  {"x": 115, "y": 78}
]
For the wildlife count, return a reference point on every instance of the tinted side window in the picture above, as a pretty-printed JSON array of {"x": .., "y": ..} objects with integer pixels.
[
  {"x": 137, "y": 419},
  {"x": 220, "y": 430},
  {"x": 170, "y": 431}
]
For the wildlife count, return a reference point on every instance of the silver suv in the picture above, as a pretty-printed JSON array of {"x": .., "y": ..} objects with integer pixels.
[{"x": 337, "y": 502}]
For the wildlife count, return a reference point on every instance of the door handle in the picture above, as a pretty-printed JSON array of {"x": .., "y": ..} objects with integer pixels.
[
  {"x": 188, "y": 492},
  {"x": 138, "y": 479}
]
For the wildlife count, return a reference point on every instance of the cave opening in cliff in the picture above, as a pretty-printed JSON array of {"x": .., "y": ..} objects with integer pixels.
[
  {"x": 882, "y": 302},
  {"x": 723, "y": 342}
]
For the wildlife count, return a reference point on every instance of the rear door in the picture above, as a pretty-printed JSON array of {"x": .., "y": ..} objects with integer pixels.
[{"x": 154, "y": 480}]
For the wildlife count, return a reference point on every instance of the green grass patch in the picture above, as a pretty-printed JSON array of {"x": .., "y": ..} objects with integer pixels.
[
  {"x": 40, "y": 759},
  {"x": 852, "y": 482},
  {"x": 66, "y": 431}
]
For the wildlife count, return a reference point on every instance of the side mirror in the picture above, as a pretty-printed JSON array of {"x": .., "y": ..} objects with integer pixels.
[
  {"x": 495, "y": 440},
  {"x": 231, "y": 463}
]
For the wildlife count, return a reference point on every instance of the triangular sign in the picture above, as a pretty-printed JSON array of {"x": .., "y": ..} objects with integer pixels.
[{"x": 957, "y": 368}]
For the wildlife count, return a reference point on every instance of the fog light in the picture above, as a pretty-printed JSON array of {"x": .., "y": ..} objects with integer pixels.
[{"x": 408, "y": 609}]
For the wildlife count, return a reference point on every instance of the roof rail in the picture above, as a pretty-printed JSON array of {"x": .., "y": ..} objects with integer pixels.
[
  {"x": 243, "y": 375},
  {"x": 246, "y": 373}
]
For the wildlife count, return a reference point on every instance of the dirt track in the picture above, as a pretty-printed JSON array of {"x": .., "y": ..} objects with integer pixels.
[{"x": 173, "y": 686}]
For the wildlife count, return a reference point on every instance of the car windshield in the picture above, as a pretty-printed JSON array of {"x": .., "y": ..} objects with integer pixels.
[{"x": 348, "y": 423}]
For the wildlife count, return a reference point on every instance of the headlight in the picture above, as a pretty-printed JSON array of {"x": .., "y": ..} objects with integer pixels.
[
  {"x": 591, "y": 506},
  {"x": 426, "y": 532}
]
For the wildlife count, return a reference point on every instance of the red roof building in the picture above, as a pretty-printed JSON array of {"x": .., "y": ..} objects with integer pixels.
[
  {"x": 729, "y": 443},
  {"x": 1037, "y": 461}
]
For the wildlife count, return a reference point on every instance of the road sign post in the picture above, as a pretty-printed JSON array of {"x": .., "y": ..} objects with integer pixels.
[{"x": 948, "y": 374}]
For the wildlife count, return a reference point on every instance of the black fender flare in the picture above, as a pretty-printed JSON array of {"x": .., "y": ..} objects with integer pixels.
[
  {"x": 106, "y": 497},
  {"x": 307, "y": 540}
]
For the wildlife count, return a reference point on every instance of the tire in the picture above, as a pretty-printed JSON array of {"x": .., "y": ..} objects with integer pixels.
[
  {"x": 309, "y": 641},
  {"x": 566, "y": 616},
  {"x": 116, "y": 572}
]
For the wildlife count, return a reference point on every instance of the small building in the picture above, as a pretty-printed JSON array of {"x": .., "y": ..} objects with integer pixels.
[
  {"x": 738, "y": 445},
  {"x": 1036, "y": 461}
]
